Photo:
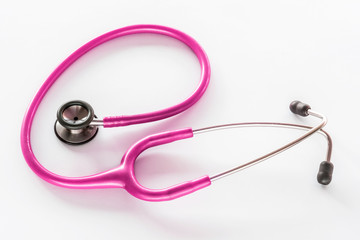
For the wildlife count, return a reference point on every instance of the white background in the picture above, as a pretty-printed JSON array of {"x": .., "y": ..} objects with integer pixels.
[{"x": 263, "y": 55}]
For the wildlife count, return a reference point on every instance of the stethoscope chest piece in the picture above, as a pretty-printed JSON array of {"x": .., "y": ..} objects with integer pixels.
[{"x": 73, "y": 123}]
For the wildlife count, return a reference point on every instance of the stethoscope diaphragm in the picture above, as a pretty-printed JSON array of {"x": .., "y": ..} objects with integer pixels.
[{"x": 73, "y": 123}]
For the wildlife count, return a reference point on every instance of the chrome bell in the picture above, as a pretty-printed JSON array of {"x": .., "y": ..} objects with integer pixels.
[{"x": 73, "y": 123}]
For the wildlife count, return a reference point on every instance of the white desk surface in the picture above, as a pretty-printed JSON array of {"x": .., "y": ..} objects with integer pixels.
[{"x": 263, "y": 55}]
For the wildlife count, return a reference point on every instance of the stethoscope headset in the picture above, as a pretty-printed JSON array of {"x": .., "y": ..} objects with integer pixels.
[{"x": 77, "y": 124}]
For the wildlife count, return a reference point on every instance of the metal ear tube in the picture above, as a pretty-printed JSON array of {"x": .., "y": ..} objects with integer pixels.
[
  {"x": 326, "y": 167},
  {"x": 299, "y": 108}
]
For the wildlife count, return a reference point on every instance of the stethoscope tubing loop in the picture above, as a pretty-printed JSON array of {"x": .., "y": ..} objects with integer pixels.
[{"x": 99, "y": 180}]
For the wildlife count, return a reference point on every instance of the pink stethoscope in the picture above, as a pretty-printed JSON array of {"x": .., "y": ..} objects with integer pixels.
[{"x": 77, "y": 124}]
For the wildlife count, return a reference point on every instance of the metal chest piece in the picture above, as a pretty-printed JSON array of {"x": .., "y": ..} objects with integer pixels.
[{"x": 73, "y": 123}]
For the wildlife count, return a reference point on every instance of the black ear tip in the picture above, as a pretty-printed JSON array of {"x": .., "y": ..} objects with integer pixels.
[
  {"x": 323, "y": 179},
  {"x": 299, "y": 108},
  {"x": 325, "y": 173}
]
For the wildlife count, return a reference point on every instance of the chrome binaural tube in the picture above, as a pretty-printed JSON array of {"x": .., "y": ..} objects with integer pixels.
[{"x": 310, "y": 131}]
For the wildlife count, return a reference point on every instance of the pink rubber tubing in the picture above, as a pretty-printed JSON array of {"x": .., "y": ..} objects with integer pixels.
[{"x": 123, "y": 176}]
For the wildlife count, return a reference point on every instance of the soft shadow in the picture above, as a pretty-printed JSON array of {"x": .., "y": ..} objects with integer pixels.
[
  {"x": 159, "y": 170},
  {"x": 114, "y": 199}
]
